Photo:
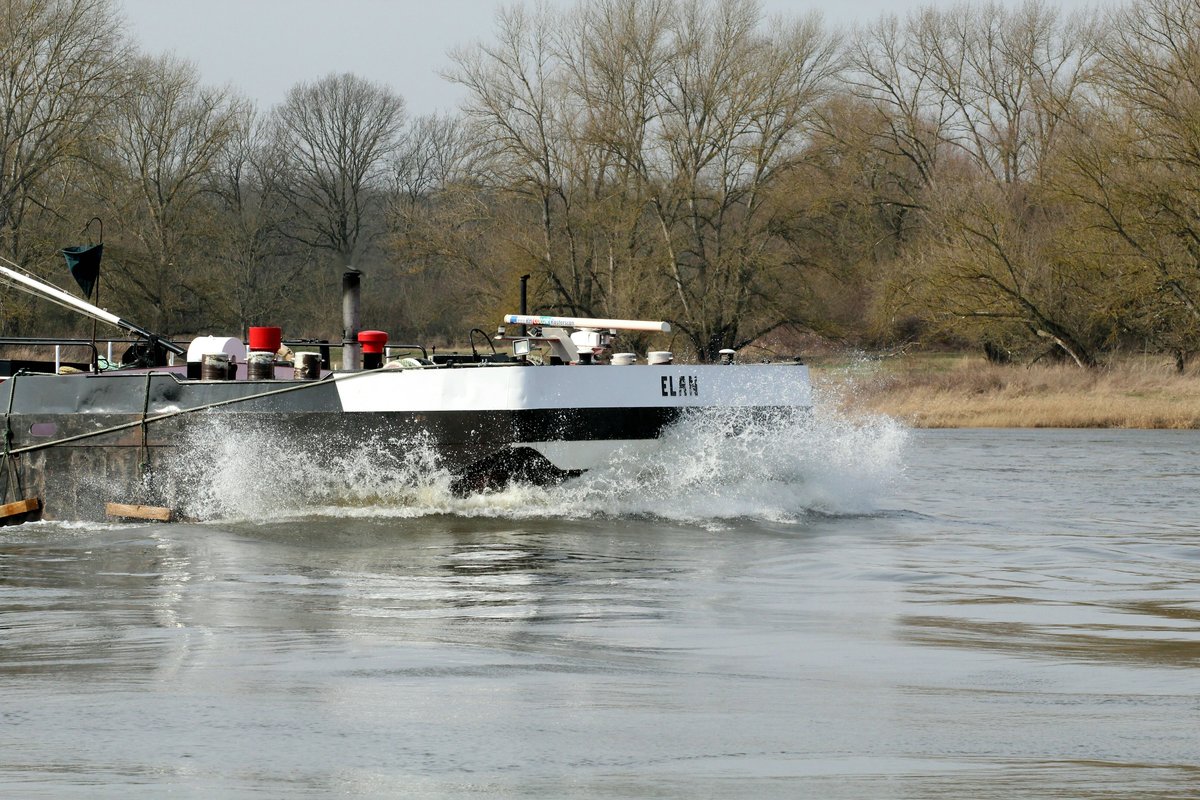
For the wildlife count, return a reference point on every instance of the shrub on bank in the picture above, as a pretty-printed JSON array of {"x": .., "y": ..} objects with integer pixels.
[{"x": 966, "y": 391}]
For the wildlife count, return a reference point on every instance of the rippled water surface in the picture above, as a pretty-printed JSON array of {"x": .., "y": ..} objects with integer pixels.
[{"x": 862, "y": 613}]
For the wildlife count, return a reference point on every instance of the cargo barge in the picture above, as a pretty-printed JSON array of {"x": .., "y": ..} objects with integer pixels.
[{"x": 79, "y": 446}]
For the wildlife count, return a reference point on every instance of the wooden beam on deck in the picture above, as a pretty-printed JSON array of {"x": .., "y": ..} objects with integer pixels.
[
  {"x": 12, "y": 513},
  {"x": 155, "y": 513}
]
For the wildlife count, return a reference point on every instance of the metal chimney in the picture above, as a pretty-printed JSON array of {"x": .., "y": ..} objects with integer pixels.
[{"x": 351, "y": 319}]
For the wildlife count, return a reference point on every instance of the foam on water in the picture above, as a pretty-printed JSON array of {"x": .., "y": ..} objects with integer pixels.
[{"x": 710, "y": 467}]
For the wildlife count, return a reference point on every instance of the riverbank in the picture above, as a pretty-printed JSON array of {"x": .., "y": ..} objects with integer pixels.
[{"x": 958, "y": 391}]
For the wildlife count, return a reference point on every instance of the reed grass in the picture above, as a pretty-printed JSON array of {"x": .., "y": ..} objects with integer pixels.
[{"x": 968, "y": 392}]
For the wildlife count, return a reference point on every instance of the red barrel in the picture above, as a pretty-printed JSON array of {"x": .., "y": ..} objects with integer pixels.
[
  {"x": 266, "y": 340},
  {"x": 372, "y": 342}
]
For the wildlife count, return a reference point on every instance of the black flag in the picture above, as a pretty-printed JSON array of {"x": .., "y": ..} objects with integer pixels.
[{"x": 84, "y": 263}]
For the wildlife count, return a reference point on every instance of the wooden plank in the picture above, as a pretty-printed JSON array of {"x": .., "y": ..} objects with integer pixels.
[
  {"x": 157, "y": 513},
  {"x": 20, "y": 507}
]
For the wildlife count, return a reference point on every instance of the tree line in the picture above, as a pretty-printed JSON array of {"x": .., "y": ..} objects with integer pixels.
[{"x": 1008, "y": 177}]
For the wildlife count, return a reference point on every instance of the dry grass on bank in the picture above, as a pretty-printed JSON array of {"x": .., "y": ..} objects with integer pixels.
[{"x": 968, "y": 392}]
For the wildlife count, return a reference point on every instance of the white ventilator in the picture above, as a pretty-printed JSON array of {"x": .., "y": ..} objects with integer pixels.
[{"x": 587, "y": 322}]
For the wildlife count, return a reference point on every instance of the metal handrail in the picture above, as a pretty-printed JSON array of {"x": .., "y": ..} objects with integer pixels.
[{"x": 31, "y": 341}]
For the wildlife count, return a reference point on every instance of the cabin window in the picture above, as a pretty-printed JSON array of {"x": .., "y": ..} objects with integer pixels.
[{"x": 43, "y": 429}]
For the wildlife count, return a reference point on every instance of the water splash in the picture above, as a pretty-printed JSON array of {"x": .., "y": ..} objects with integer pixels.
[
  {"x": 258, "y": 474},
  {"x": 711, "y": 466}
]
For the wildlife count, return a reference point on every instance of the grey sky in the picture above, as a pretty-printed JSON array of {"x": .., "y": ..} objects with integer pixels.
[{"x": 263, "y": 47}]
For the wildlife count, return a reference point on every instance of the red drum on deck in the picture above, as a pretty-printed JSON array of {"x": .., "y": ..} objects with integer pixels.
[
  {"x": 266, "y": 340},
  {"x": 372, "y": 341}
]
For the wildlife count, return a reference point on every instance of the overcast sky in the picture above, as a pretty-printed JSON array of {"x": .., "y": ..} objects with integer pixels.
[{"x": 263, "y": 47}]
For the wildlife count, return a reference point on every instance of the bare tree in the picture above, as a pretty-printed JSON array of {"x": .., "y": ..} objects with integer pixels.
[
  {"x": 163, "y": 147},
  {"x": 998, "y": 262},
  {"x": 649, "y": 133},
  {"x": 519, "y": 104},
  {"x": 435, "y": 152},
  {"x": 1136, "y": 164},
  {"x": 892, "y": 72},
  {"x": 260, "y": 268},
  {"x": 61, "y": 69},
  {"x": 615, "y": 56},
  {"x": 334, "y": 138},
  {"x": 737, "y": 108},
  {"x": 435, "y": 206},
  {"x": 1001, "y": 86}
]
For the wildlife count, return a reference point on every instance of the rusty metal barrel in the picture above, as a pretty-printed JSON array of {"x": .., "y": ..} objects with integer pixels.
[
  {"x": 260, "y": 366},
  {"x": 217, "y": 367},
  {"x": 308, "y": 366}
]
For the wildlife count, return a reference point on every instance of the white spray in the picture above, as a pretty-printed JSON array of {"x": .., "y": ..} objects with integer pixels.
[{"x": 710, "y": 466}]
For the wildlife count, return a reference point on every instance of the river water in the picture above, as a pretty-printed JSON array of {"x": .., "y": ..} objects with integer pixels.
[{"x": 844, "y": 610}]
